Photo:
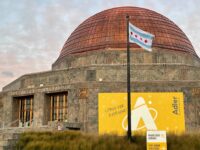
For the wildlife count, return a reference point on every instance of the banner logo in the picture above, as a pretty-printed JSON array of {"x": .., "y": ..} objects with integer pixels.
[{"x": 141, "y": 111}]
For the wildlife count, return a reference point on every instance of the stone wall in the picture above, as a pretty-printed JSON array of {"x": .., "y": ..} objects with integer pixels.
[
  {"x": 191, "y": 100},
  {"x": 87, "y": 75},
  {"x": 83, "y": 100},
  {"x": 143, "y": 72},
  {"x": 1, "y": 110},
  {"x": 116, "y": 57}
]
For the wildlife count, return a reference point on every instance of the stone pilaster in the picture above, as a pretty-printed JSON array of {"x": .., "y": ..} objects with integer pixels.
[
  {"x": 7, "y": 110},
  {"x": 72, "y": 106},
  {"x": 38, "y": 109}
]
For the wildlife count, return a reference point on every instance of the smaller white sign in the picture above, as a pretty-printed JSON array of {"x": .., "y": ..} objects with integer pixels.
[
  {"x": 156, "y": 136},
  {"x": 156, "y": 140}
]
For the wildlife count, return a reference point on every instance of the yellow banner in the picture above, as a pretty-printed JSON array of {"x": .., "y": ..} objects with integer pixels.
[{"x": 149, "y": 111}]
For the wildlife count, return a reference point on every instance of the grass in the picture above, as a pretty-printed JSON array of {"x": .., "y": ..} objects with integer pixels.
[{"x": 79, "y": 141}]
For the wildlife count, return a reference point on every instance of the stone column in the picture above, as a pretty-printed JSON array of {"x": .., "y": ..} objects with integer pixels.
[
  {"x": 92, "y": 111},
  {"x": 72, "y": 106},
  {"x": 83, "y": 99},
  {"x": 7, "y": 110},
  {"x": 38, "y": 109}
]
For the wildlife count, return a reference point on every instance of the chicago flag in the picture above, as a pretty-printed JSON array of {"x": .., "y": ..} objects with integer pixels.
[{"x": 140, "y": 37}]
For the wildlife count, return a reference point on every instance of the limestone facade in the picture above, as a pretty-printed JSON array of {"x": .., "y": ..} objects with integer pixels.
[{"x": 85, "y": 75}]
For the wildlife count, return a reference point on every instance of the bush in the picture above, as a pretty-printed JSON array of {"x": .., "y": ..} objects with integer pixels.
[{"x": 69, "y": 140}]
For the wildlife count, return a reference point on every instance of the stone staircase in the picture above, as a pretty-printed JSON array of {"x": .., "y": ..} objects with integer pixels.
[
  {"x": 10, "y": 136},
  {"x": 8, "y": 139}
]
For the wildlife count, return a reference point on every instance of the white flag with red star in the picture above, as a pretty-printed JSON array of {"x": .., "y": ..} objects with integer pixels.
[{"x": 140, "y": 37}]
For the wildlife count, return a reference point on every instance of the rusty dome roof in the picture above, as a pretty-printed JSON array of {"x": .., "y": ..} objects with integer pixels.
[{"x": 107, "y": 29}]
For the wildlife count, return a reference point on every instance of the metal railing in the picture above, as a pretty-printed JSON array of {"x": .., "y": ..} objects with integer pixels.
[
  {"x": 9, "y": 124},
  {"x": 19, "y": 124}
]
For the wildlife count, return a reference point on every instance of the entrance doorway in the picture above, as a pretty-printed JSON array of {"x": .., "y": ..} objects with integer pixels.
[{"x": 25, "y": 111}]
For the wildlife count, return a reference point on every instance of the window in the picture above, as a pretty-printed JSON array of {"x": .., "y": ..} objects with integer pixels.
[
  {"x": 25, "y": 110},
  {"x": 58, "y": 107}
]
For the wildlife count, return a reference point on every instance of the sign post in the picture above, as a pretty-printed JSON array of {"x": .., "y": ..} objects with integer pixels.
[{"x": 128, "y": 81}]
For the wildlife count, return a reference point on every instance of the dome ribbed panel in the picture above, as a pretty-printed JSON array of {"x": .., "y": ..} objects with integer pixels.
[{"x": 107, "y": 29}]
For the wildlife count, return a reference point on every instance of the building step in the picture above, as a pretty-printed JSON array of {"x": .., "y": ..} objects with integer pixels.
[
  {"x": 7, "y": 147},
  {"x": 3, "y": 142},
  {"x": 7, "y": 136},
  {"x": 8, "y": 139},
  {"x": 10, "y": 136},
  {"x": 7, "y": 144}
]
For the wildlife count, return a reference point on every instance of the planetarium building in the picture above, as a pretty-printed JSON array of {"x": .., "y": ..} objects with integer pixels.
[{"x": 93, "y": 61}]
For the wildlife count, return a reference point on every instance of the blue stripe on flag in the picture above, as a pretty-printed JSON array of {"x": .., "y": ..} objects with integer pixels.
[
  {"x": 141, "y": 34},
  {"x": 139, "y": 42}
]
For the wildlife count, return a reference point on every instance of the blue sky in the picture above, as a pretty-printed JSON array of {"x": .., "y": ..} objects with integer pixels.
[{"x": 32, "y": 32}]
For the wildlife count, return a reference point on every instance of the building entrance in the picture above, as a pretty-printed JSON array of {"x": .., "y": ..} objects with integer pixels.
[{"x": 25, "y": 111}]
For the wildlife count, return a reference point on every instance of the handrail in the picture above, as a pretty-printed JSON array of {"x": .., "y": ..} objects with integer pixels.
[{"x": 10, "y": 123}]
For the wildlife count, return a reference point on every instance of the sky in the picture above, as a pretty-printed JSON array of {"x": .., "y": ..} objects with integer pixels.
[{"x": 32, "y": 32}]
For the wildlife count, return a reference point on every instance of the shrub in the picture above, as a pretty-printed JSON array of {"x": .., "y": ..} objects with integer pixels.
[{"x": 69, "y": 140}]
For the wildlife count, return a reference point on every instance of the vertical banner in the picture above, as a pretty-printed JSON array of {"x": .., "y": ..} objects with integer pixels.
[{"x": 149, "y": 111}]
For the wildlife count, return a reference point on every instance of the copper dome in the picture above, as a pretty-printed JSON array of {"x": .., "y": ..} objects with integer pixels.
[{"x": 107, "y": 29}]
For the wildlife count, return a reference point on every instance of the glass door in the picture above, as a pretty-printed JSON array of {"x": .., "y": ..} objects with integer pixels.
[{"x": 25, "y": 111}]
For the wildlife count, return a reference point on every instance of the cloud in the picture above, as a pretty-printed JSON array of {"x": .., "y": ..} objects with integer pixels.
[
  {"x": 32, "y": 33},
  {"x": 7, "y": 74}
]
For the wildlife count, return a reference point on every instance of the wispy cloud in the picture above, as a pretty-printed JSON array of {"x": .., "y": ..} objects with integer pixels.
[
  {"x": 32, "y": 33},
  {"x": 7, "y": 74}
]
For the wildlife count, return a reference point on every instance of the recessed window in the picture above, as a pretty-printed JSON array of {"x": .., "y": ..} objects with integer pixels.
[
  {"x": 58, "y": 107},
  {"x": 25, "y": 111}
]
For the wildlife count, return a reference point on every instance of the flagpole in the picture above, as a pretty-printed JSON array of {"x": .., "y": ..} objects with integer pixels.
[{"x": 128, "y": 80}]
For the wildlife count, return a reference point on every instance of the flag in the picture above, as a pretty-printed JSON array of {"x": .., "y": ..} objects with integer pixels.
[{"x": 140, "y": 37}]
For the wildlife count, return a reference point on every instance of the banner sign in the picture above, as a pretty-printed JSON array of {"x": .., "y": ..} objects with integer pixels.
[{"x": 149, "y": 111}]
